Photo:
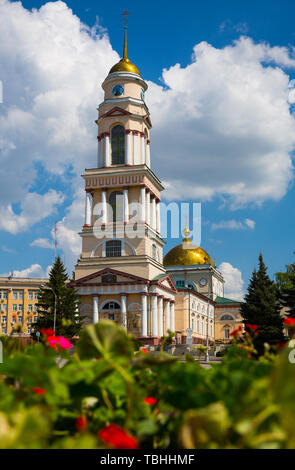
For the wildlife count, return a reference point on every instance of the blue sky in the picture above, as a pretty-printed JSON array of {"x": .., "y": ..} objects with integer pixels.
[{"x": 160, "y": 35}]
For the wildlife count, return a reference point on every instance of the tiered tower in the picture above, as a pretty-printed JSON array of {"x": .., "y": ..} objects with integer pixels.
[{"x": 122, "y": 246}]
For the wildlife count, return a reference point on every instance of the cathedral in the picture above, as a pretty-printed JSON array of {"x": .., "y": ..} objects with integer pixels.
[{"x": 121, "y": 274}]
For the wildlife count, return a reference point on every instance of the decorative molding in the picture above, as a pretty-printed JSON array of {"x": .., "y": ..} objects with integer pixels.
[{"x": 111, "y": 181}]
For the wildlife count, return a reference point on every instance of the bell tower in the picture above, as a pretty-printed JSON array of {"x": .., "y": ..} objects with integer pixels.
[{"x": 122, "y": 209}]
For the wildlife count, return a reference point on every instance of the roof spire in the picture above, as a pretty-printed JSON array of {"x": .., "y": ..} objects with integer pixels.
[{"x": 125, "y": 13}]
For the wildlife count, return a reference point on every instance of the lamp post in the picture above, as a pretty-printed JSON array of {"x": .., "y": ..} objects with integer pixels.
[
  {"x": 207, "y": 332},
  {"x": 54, "y": 315}
]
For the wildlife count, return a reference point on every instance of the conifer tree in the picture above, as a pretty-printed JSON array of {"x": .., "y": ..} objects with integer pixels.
[
  {"x": 286, "y": 287},
  {"x": 262, "y": 308},
  {"x": 56, "y": 296}
]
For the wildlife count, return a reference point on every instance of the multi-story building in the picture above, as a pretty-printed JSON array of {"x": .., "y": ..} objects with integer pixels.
[{"x": 18, "y": 303}]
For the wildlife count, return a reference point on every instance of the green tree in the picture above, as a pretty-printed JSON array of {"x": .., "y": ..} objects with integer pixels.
[
  {"x": 286, "y": 287},
  {"x": 262, "y": 308},
  {"x": 57, "y": 296}
]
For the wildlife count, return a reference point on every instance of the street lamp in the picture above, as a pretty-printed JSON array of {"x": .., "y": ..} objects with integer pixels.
[
  {"x": 207, "y": 332},
  {"x": 54, "y": 315}
]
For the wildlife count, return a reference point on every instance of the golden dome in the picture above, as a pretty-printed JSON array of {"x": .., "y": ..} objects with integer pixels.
[
  {"x": 125, "y": 65},
  {"x": 183, "y": 255}
]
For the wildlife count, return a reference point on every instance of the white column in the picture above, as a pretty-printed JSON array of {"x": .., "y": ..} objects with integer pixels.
[
  {"x": 142, "y": 147},
  {"x": 128, "y": 148},
  {"x": 126, "y": 205},
  {"x": 158, "y": 225},
  {"x": 147, "y": 154},
  {"x": 172, "y": 317},
  {"x": 161, "y": 318},
  {"x": 104, "y": 205},
  {"x": 167, "y": 315},
  {"x": 143, "y": 314},
  {"x": 148, "y": 207},
  {"x": 107, "y": 159},
  {"x": 136, "y": 148},
  {"x": 99, "y": 165},
  {"x": 142, "y": 204},
  {"x": 88, "y": 209},
  {"x": 95, "y": 309},
  {"x": 154, "y": 224},
  {"x": 124, "y": 311},
  {"x": 154, "y": 315}
]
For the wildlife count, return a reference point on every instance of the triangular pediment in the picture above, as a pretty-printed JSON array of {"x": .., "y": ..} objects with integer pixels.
[
  {"x": 116, "y": 111},
  {"x": 108, "y": 276},
  {"x": 166, "y": 282}
]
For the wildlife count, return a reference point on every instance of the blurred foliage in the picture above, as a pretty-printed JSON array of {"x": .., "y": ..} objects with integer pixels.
[{"x": 241, "y": 402}]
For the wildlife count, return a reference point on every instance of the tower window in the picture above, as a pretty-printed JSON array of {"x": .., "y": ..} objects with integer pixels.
[
  {"x": 154, "y": 252},
  {"x": 117, "y": 205},
  {"x": 118, "y": 145},
  {"x": 113, "y": 248}
]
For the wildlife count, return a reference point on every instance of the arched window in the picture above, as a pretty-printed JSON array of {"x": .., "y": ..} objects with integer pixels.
[
  {"x": 118, "y": 145},
  {"x": 113, "y": 248},
  {"x": 111, "y": 306},
  {"x": 226, "y": 318},
  {"x": 116, "y": 202}
]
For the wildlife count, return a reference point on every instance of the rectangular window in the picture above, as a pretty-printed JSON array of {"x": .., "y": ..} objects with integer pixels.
[
  {"x": 20, "y": 319},
  {"x": 5, "y": 294},
  {"x": 30, "y": 295},
  {"x": 35, "y": 318},
  {"x": 4, "y": 307},
  {"x": 14, "y": 307},
  {"x": 4, "y": 319},
  {"x": 14, "y": 295},
  {"x": 36, "y": 295},
  {"x": 113, "y": 248},
  {"x": 0, "y": 294},
  {"x": 29, "y": 330},
  {"x": 30, "y": 308},
  {"x": 4, "y": 329},
  {"x": 21, "y": 295},
  {"x": 20, "y": 308},
  {"x": 30, "y": 320},
  {"x": 180, "y": 283},
  {"x": 35, "y": 308},
  {"x": 226, "y": 333}
]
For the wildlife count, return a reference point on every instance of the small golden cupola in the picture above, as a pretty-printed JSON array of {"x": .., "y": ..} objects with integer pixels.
[
  {"x": 186, "y": 255},
  {"x": 125, "y": 65}
]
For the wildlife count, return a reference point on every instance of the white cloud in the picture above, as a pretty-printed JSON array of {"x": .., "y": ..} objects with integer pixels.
[
  {"x": 52, "y": 67},
  {"x": 42, "y": 243},
  {"x": 222, "y": 125},
  {"x": 34, "y": 207},
  {"x": 35, "y": 270},
  {"x": 234, "y": 224},
  {"x": 7, "y": 249},
  {"x": 233, "y": 287}
]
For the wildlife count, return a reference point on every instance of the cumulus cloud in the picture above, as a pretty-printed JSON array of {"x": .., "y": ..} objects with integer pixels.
[
  {"x": 34, "y": 207},
  {"x": 52, "y": 67},
  {"x": 35, "y": 270},
  {"x": 234, "y": 224},
  {"x": 233, "y": 287},
  {"x": 224, "y": 125},
  {"x": 42, "y": 243}
]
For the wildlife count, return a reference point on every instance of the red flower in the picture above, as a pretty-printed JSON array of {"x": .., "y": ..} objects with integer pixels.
[
  {"x": 251, "y": 327},
  {"x": 117, "y": 437},
  {"x": 39, "y": 391},
  {"x": 14, "y": 315},
  {"x": 81, "y": 423},
  {"x": 64, "y": 343},
  {"x": 289, "y": 321},
  {"x": 144, "y": 351},
  {"x": 236, "y": 332},
  {"x": 47, "y": 332},
  {"x": 150, "y": 401}
]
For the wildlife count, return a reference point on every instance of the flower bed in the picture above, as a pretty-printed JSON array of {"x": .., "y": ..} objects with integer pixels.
[{"x": 106, "y": 395}]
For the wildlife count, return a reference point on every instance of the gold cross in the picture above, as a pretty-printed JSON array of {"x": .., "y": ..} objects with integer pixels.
[{"x": 125, "y": 13}]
